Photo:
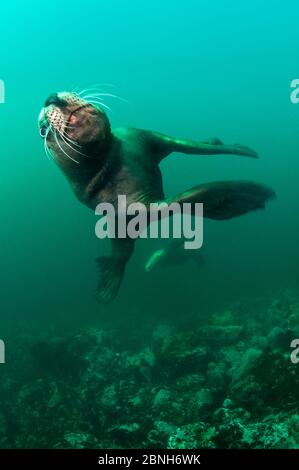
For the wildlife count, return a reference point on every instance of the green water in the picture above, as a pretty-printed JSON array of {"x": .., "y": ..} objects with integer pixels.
[{"x": 192, "y": 69}]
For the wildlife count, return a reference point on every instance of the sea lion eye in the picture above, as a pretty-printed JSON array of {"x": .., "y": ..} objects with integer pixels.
[{"x": 43, "y": 131}]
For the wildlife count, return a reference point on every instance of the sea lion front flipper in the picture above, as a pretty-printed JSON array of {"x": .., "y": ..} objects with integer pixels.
[
  {"x": 162, "y": 145},
  {"x": 111, "y": 269},
  {"x": 226, "y": 199}
]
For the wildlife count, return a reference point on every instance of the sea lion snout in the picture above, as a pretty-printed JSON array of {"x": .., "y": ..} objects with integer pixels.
[
  {"x": 63, "y": 99},
  {"x": 55, "y": 100}
]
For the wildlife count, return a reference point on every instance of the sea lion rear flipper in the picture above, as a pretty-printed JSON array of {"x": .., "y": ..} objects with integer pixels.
[
  {"x": 111, "y": 270},
  {"x": 226, "y": 199}
]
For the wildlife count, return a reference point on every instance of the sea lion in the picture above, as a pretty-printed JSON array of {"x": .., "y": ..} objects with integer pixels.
[
  {"x": 101, "y": 163},
  {"x": 173, "y": 254}
]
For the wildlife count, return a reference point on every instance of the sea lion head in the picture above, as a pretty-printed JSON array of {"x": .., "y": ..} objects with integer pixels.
[{"x": 73, "y": 128}]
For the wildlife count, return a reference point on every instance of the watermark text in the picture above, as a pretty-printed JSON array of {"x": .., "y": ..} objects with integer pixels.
[
  {"x": 2, "y": 91},
  {"x": 156, "y": 220}
]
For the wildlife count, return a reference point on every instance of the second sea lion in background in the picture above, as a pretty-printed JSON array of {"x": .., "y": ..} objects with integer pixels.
[{"x": 174, "y": 254}]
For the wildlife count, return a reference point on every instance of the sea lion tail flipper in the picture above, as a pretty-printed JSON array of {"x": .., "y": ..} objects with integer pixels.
[
  {"x": 111, "y": 270},
  {"x": 227, "y": 199}
]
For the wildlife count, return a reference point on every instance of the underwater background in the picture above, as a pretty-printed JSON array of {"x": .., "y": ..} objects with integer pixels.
[{"x": 184, "y": 357}]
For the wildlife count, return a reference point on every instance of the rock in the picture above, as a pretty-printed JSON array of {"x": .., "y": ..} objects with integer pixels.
[
  {"x": 158, "y": 437},
  {"x": 125, "y": 433},
  {"x": 162, "y": 398},
  {"x": 217, "y": 374},
  {"x": 139, "y": 365},
  {"x": 109, "y": 396},
  {"x": 203, "y": 398},
  {"x": 223, "y": 318},
  {"x": 135, "y": 401},
  {"x": 259, "y": 342},
  {"x": 212, "y": 384},
  {"x": 192, "y": 436},
  {"x": 248, "y": 361},
  {"x": 221, "y": 335},
  {"x": 190, "y": 361},
  {"x": 78, "y": 440},
  {"x": 279, "y": 337},
  {"x": 190, "y": 382},
  {"x": 55, "y": 399},
  {"x": 182, "y": 354}
]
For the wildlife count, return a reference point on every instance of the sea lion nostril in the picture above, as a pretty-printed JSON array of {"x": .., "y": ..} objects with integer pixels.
[{"x": 55, "y": 100}]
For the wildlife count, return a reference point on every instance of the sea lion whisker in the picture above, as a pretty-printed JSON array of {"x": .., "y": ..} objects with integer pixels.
[
  {"x": 68, "y": 156},
  {"x": 46, "y": 148},
  {"x": 97, "y": 96},
  {"x": 96, "y": 87},
  {"x": 71, "y": 141},
  {"x": 66, "y": 140},
  {"x": 75, "y": 91},
  {"x": 99, "y": 103},
  {"x": 74, "y": 149},
  {"x": 111, "y": 95},
  {"x": 81, "y": 93},
  {"x": 70, "y": 146},
  {"x": 87, "y": 97},
  {"x": 68, "y": 125},
  {"x": 86, "y": 92},
  {"x": 48, "y": 153}
]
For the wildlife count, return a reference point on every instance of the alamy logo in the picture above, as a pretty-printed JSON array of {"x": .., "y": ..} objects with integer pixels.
[
  {"x": 295, "y": 352},
  {"x": 157, "y": 220},
  {"x": 295, "y": 93},
  {"x": 2, "y": 352},
  {"x": 2, "y": 92}
]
